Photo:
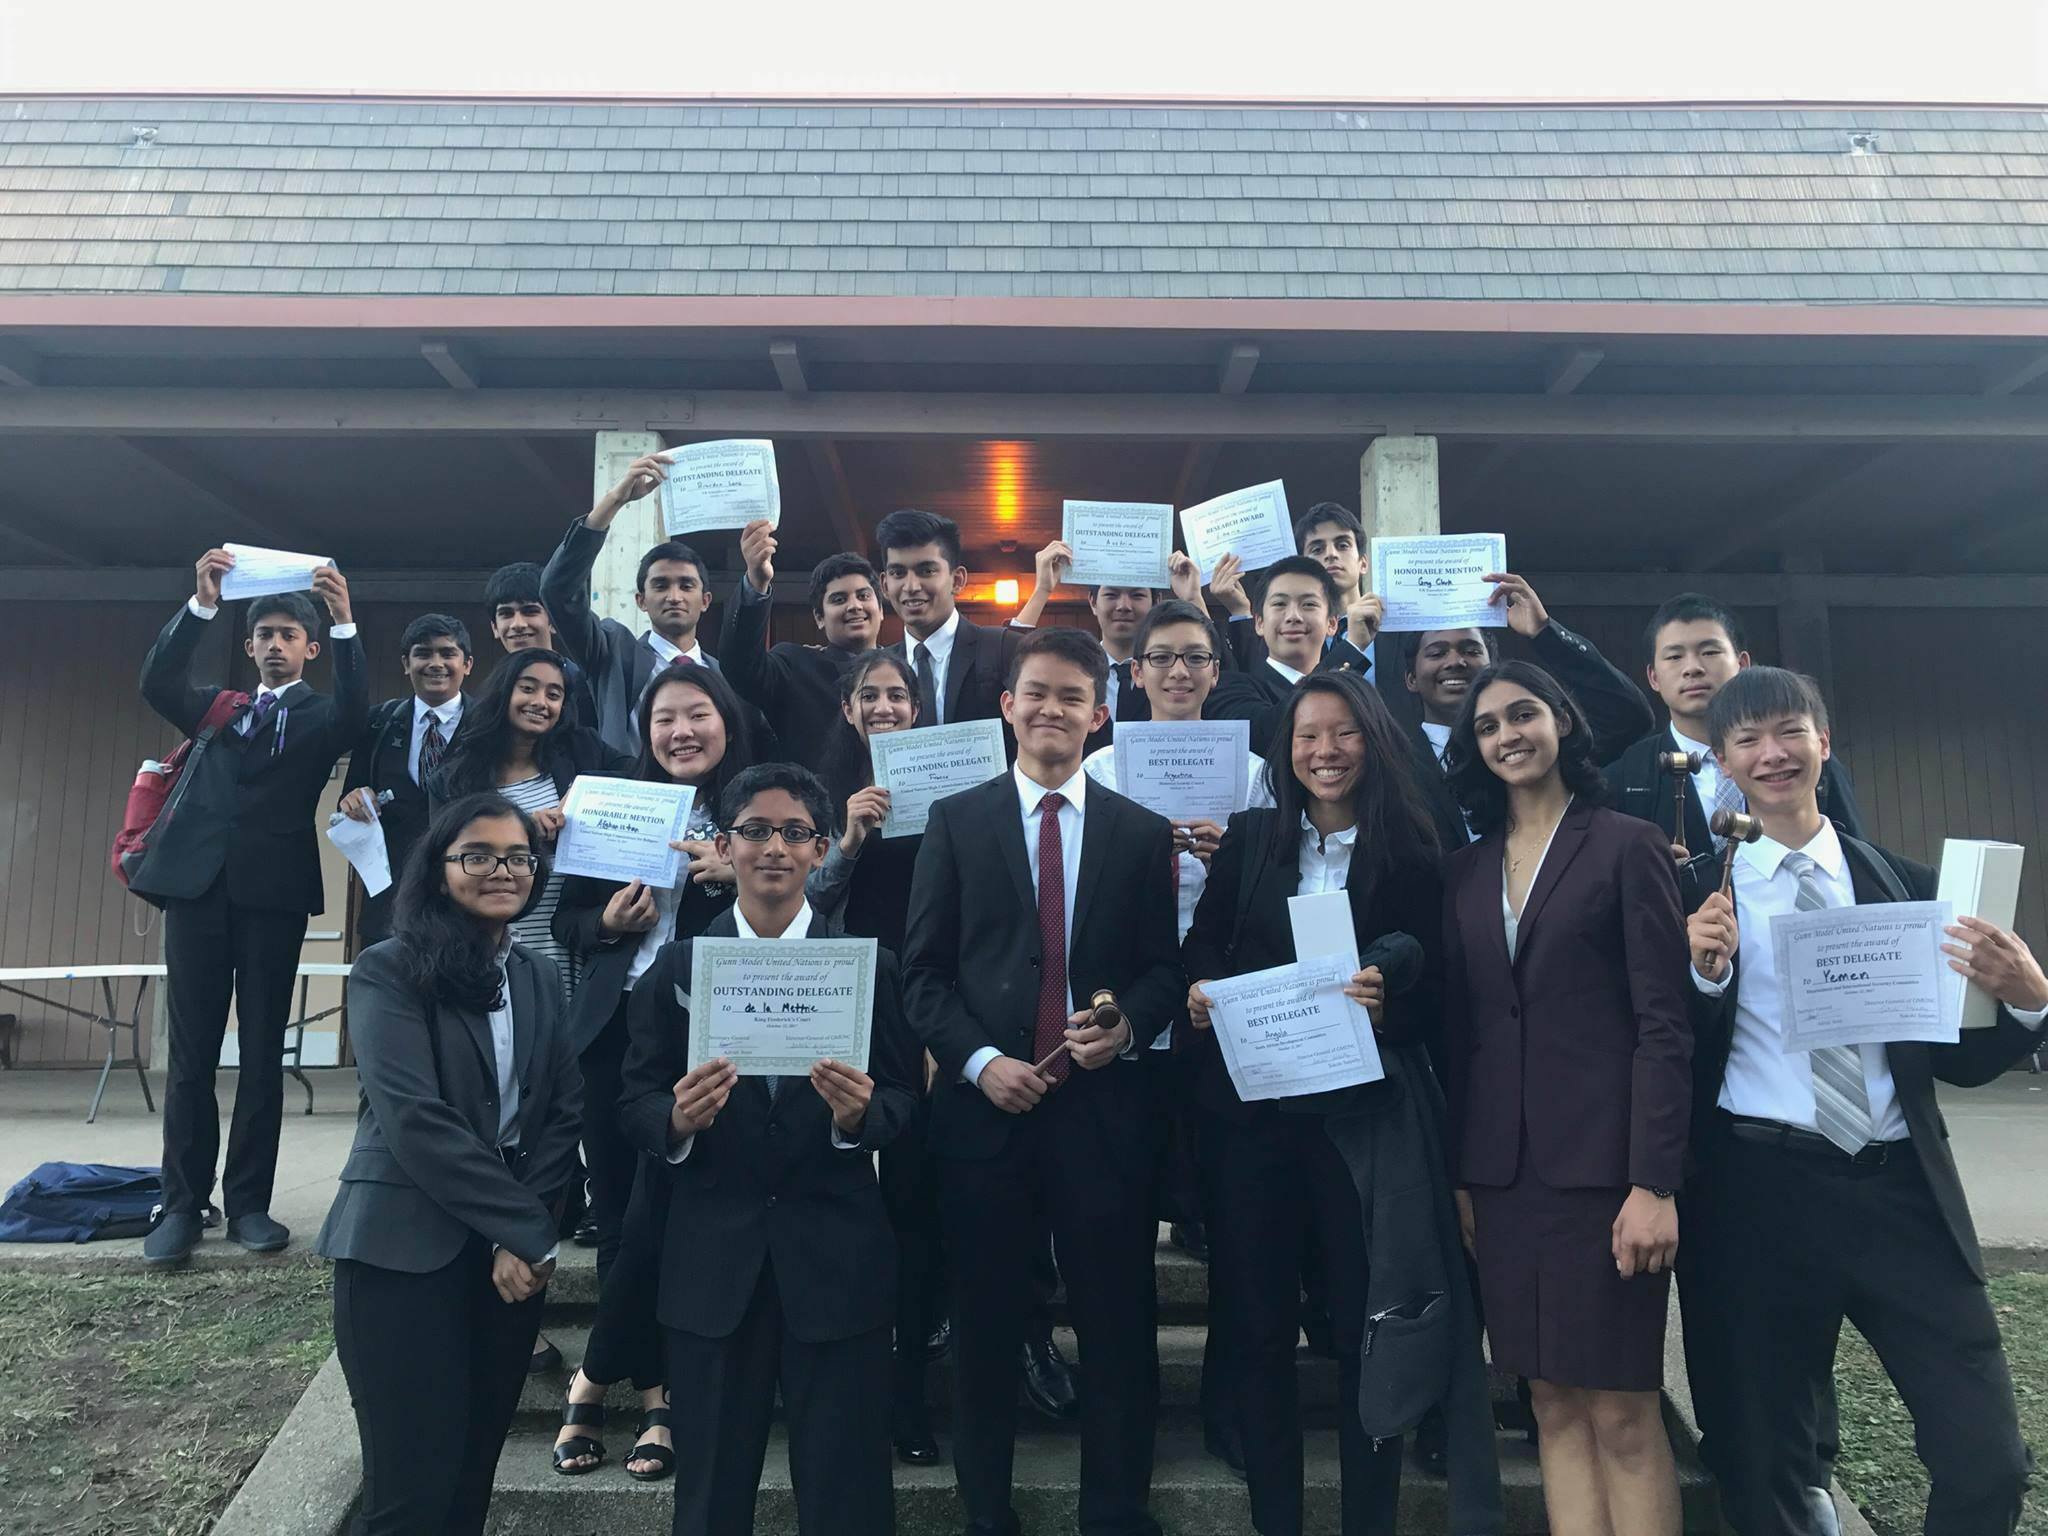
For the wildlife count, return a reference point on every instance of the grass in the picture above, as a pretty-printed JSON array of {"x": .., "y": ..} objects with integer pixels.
[
  {"x": 1877, "y": 1466},
  {"x": 133, "y": 1404}
]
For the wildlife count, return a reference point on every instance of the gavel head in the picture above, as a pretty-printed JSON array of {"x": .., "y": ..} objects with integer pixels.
[
  {"x": 1736, "y": 826},
  {"x": 1679, "y": 764}
]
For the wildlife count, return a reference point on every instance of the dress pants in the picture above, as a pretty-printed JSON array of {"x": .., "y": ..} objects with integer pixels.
[
  {"x": 1803, "y": 1240},
  {"x": 911, "y": 1197},
  {"x": 607, "y": 1154},
  {"x": 625, "y": 1340},
  {"x": 434, "y": 1364},
  {"x": 835, "y": 1398},
  {"x": 1058, "y": 1168},
  {"x": 1272, "y": 1188},
  {"x": 217, "y": 953}
]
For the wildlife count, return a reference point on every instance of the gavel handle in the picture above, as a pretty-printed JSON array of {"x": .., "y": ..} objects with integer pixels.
[
  {"x": 1728, "y": 866},
  {"x": 1678, "y": 818}
]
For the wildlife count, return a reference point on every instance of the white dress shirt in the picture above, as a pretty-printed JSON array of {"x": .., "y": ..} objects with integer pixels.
[
  {"x": 503, "y": 1056},
  {"x": 702, "y": 828},
  {"x": 1100, "y": 765},
  {"x": 1707, "y": 782},
  {"x": 940, "y": 644},
  {"x": 449, "y": 714},
  {"x": 666, "y": 653},
  {"x": 1439, "y": 739},
  {"x": 1029, "y": 793},
  {"x": 1115, "y": 688},
  {"x": 1285, "y": 670},
  {"x": 1325, "y": 862}
]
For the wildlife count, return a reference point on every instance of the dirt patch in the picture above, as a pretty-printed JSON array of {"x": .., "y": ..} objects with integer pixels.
[{"x": 134, "y": 1404}]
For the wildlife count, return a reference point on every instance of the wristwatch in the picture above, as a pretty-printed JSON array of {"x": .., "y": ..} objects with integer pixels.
[{"x": 1661, "y": 1194}]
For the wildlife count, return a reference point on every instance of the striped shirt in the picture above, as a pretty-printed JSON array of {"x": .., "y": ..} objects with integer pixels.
[{"x": 535, "y": 930}]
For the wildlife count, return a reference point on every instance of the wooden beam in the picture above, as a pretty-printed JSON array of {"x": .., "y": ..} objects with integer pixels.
[
  {"x": 1234, "y": 373},
  {"x": 840, "y": 506},
  {"x": 226, "y": 501},
  {"x": 2015, "y": 374},
  {"x": 20, "y": 367},
  {"x": 1569, "y": 367},
  {"x": 788, "y": 363},
  {"x": 36, "y": 537},
  {"x": 1791, "y": 502},
  {"x": 1233, "y": 377},
  {"x": 1880, "y": 419},
  {"x": 454, "y": 362},
  {"x": 2006, "y": 518},
  {"x": 530, "y": 459}
]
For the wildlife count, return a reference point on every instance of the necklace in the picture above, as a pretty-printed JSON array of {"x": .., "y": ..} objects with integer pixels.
[{"x": 1516, "y": 860}]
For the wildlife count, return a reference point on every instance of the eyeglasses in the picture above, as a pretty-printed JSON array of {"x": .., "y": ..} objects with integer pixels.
[
  {"x": 796, "y": 833},
  {"x": 480, "y": 865},
  {"x": 1162, "y": 661}
]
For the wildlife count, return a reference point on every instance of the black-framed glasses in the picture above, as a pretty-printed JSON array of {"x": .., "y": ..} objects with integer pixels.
[
  {"x": 796, "y": 833},
  {"x": 479, "y": 865},
  {"x": 1162, "y": 661}
]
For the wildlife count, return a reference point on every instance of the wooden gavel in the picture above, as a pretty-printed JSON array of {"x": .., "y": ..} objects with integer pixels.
[
  {"x": 1103, "y": 1013},
  {"x": 1734, "y": 828},
  {"x": 1681, "y": 766}
]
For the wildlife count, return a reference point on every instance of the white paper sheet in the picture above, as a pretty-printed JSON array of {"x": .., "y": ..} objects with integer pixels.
[
  {"x": 1864, "y": 975},
  {"x": 1322, "y": 926},
  {"x": 620, "y": 829},
  {"x": 1978, "y": 879},
  {"x": 773, "y": 1007},
  {"x": 922, "y": 766},
  {"x": 1118, "y": 543},
  {"x": 1186, "y": 770},
  {"x": 724, "y": 484},
  {"x": 362, "y": 844},
  {"x": 259, "y": 572},
  {"x": 1432, "y": 582},
  {"x": 1251, "y": 523},
  {"x": 1291, "y": 1030}
]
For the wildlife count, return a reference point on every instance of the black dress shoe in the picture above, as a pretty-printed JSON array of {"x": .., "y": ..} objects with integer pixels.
[
  {"x": 1049, "y": 1381},
  {"x": 585, "y": 1235},
  {"x": 171, "y": 1241},
  {"x": 939, "y": 1342},
  {"x": 1322, "y": 1338},
  {"x": 917, "y": 1448},
  {"x": 1191, "y": 1238},
  {"x": 256, "y": 1232},
  {"x": 1225, "y": 1446},
  {"x": 548, "y": 1357}
]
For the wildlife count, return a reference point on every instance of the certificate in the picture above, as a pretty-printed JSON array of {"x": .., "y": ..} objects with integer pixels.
[
  {"x": 918, "y": 767},
  {"x": 726, "y": 484},
  {"x": 773, "y": 1007},
  {"x": 620, "y": 829},
  {"x": 1291, "y": 1030},
  {"x": 1251, "y": 524},
  {"x": 1433, "y": 582},
  {"x": 1118, "y": 543},
  {"x": 259, "y": 572},
  {"x": 1322, "y": 926},
  {"x": 1186, "y": 770},
  {"x": 1864, "y": 975}
]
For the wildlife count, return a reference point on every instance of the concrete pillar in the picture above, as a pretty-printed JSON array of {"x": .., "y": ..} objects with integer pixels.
[
  {"x": 636, "y": 530},
  {"x": 1397, "y": 498}
]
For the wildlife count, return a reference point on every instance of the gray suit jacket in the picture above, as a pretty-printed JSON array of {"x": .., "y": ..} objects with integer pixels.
[{"x": 425, "y": 1174}]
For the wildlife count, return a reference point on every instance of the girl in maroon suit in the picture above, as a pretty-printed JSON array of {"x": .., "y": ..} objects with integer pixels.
[{"x": 1569, "y": 1090}]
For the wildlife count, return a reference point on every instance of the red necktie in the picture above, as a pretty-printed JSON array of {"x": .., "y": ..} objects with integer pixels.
[{"x": 1054, "y": 1003}]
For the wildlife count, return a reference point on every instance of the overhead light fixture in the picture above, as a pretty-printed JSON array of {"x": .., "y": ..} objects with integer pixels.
[{"x": 1006, "y": 591}]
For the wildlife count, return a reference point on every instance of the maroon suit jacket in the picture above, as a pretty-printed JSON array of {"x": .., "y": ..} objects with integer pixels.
[{"x": 1582, "y": 1044}]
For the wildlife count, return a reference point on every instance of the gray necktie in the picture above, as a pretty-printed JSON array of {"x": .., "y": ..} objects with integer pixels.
[
  {"x": 1728, "y": 797},
  {"x": 774, "y": 1089},
  {"x": 1841, "y": 1102}
]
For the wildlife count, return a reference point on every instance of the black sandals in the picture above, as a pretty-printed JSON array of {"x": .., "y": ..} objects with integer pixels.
[
  {"x": 663, "y": 1457},
  {"x": 576, "y": 1447}
]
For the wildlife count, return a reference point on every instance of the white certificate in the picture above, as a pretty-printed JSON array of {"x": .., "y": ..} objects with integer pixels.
[
  {"x": 259, "y": 572},
  {"x": 1186, "y": 770},
  {"x": 1251, "y": 524},
  {"x": 920, "y": 766},
  {"x": 1291, "y": 1030},
  {"x": 1118, "y": 543},
  {"x": 362, "y": 844},
  {"x": 1864, "y": 975},
  {"x": 726, "y": 484},
  {"x": 620, "y": 829},
  {"x": 1433, "y": 582},
  {"x": 1322, "y": 926},
  {"x": 773, "y": 1007}
]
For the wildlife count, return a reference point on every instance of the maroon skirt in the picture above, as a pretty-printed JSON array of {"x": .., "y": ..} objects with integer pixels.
[{"x": 1556, "y": 1308}]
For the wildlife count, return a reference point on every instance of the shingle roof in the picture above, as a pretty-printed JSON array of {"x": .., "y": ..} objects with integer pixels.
[{"x": 237, "y": 195}]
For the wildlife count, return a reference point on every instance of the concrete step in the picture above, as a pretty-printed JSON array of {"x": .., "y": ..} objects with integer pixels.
[
  {"x": 1192, "y": 1494},
  {"x": 1180, "y": 1377},
  {"x": 1183, "y": 1286}
]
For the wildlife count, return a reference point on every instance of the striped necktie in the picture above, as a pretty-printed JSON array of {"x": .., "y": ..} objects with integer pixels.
[
  {"x": 1728, "y": 796},
  {"x": 1841, "y": 1101}
]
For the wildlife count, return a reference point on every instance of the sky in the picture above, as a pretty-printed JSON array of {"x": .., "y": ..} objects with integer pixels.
[{"x": 1959, "y": 50}]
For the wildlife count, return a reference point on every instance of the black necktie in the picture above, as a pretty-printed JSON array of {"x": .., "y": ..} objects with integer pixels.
[
  {"x": 927, "y": 686},
  {"x": 1122, "y": 669}
]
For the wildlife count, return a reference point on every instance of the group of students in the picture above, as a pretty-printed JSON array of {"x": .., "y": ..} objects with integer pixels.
[{"x": 1584, "y": 1086}]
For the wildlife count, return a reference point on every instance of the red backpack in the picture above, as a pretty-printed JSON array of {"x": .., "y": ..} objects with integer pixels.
[{"x": 156, "y": 783}]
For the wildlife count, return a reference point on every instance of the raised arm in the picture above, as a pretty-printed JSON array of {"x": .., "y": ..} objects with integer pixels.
[
  {"x": 755, "y": 673},
  {"x": 565, "y": 589},
  {"x": 167, "y": 670}
]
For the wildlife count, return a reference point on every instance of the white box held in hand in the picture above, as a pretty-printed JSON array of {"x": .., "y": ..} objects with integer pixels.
[{"x": 1983, "y": 880}]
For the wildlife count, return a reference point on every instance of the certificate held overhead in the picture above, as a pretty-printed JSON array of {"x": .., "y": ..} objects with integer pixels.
[
  {"x": 725, "y": 484},
  {"x": 259, "y": 572},
  {"x": 1438, "y": 581},
  {"x": 1251, "y": 524}
]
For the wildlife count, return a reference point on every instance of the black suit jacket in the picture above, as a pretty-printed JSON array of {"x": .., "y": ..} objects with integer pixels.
[
  {"x": 425, "y": 1173},
  {"x": 1580, "y": 1047},
  {"x": 1132, "y": 703},
  {"x": 765, "y": 1184},
  {"x": 1238, "y": 930},
  {"x": 795, "y": 687},
  {"x": 1977, "y": 1058},
  {"x": 1642, "y": 789},
  {"x": 606, "y": 959},
  {"x": 267, "y": 845},
  {"x": 379, "y": 761},
  {"x": 971, "y": 958},
  {"x": 976, "y": 673},
  {"x": 1259, "y": 694}
]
